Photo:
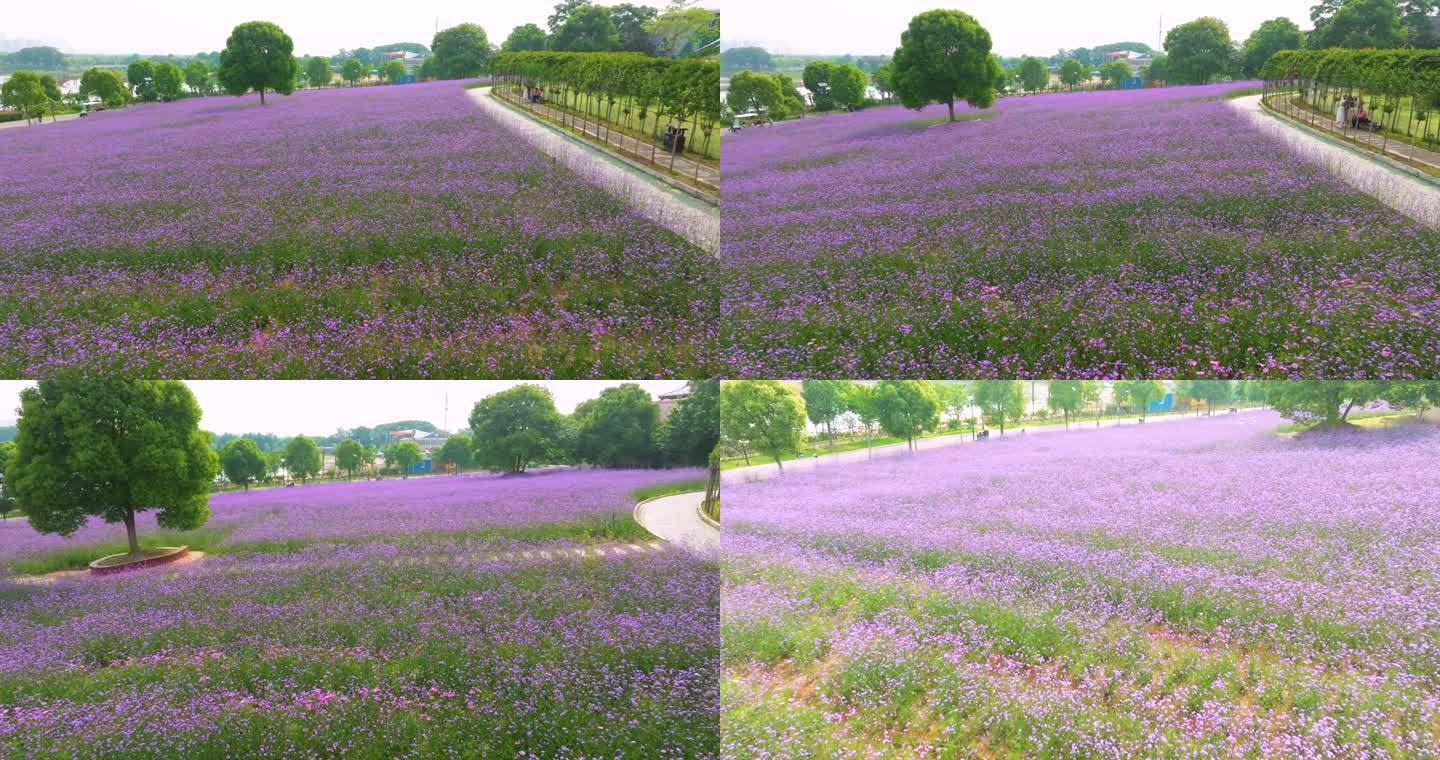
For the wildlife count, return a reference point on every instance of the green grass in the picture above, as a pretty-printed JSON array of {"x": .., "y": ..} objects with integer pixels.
[
  {"x": 657, "y": 490},
  {"x": 631, "y": 125},
  {"x": 1363, "y": 419},
  {"x": 618, "y": 527},
  {"x": 962, "y": 116}
]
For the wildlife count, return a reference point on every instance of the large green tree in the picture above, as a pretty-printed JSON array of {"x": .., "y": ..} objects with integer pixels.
[
  {"x": 1138, "y": 393},
  {"x": 1034, "y": 76},
  {"x": 766, "y": 415},
  {"x": 746, "y": 58},
  {"x": 847, "y": 86},
  {"x": 630, "y": 21},
  {"x": 1198, "y": 50},
  {"x": 460, "y": 51},
  {"x": 1073, "y": 72},
  {"x": 1273, "y": 36},
  {"x": 617, "y": 428},
  {"x": 514, "y": 428},
  {"x": 352, "y": 70},
  {"x": 197, "y": 77},
  {"x": 588, "y": 30},
  {"x": 141, "y": 76},
  {"x": 1069, "y": 396},
  {"x": 455, "y": 454},
  {"x": 404, "y": 455},
  {"x": 168, "y": 81},
  {"x": 7, "y": 502},
  {"x": 824, "y": 403},
  {"x": 1326, "y": 402},
  {"x": 751, "y": 91},
  {"x": 242, "y": 462},
  {"x": 1211, "y": 392},
  {"x": 906, "y": 408},
  {"x": 524, "y": 37},
  {"x": 303, "y": 458},
  {"x": 103, "y": 84},
  {"x": 1000, "y": 401},
  {"x": 1363, "y": 24},
  {"x": 258, "y": 56},
  {"x": 944, "y": 56},
  {"x": 24, "y": 92},
  {"x": 349, "y": 455},
  {"x": 317, "y": 71},
  {"x": 694, "y": 425},
  {"x": 111, "y": 449}
]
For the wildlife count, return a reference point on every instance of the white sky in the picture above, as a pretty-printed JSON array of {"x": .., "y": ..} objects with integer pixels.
[
  {"x": 1037, "y": 27},
  {"x": 163, "y": 26},
  {"x": 318, "y": 407}
]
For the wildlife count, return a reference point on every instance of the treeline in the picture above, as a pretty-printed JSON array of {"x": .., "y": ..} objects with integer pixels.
[
  {"x": 769, "y": 417},
  {"x": 510, "y": 431},
  {"x": 583, "y": 27},
  {"x": 685, "y": 89},
  {"x": 1393, "y": 72}
]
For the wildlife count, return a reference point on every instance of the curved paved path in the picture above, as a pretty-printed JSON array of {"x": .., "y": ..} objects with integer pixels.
[
  {"x": 1396, "y": 188},
  {"x": 676, "y": 518},
  {"x": 676, "y": 210}
]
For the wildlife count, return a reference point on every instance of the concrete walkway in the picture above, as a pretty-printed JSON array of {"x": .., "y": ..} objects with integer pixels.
[
  {"x": 58, "y": 118},
  {"x": 676, "y": 518},
  {"x": 768, "y": 470},
  {"x": 1387, "y": 180},
  {"x": 643, "y": 150},
  {"x": 1380, "y": 141},
  {"x": 692, "y": 218}
]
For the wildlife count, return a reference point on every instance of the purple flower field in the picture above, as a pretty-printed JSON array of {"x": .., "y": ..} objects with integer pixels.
[
  {"x": 1199, "y": 589},
  {"x": 1140, "y": 234},
  {"x": 377, "y": 231},
  {"x": 435, "y": 637}
]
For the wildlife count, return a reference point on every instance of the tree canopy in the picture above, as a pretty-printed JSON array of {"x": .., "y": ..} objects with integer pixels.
[
  {"x": 524, "y": 37},
  {"x": 1034, "y": 75},
  {"x": 103, "y": 84},
  {"x": 1273, "y": 36},
  {"x": 514, "y": 428},
  {"x": 767, "y": 415},
  {"x": 110, "y": 449},
  {"x": 589, "y": 29},
  {"x": 906, "y": 408},
  {"x": 242, "y": 462},
  {"x": 1359, "y": 24},
  {"x": 617, "y": 428},
  {"x": 258, "y": 56},
  {"x": 317, "y": 71},
  {"x": 694, "y": 425},
  {"x": 349, "y": 455},
  {"x": 303, "y": 459},
  {"x": 1138, "y": 393},
  {"x": 1000, "y": 401},
  {"x": 1198, "y": 50},
  {"x": 943, "y": 56},
  {"x": 455, "y": 453},
  {"x": 746, "y": 58},
  {"x": 25, "y": 92},
  {"x": 460, "y": 52},
  {"x": 1069, "y": 396}
]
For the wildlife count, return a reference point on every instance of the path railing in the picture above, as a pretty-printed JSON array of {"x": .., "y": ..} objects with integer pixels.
[{"x": 645, "y": 151}]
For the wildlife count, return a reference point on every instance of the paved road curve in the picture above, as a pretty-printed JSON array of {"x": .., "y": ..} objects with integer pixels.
[
  {"x": 694, "y": 219},
  {"x": 1397, "y": 189},
  {"x": 676, "y": 519}
]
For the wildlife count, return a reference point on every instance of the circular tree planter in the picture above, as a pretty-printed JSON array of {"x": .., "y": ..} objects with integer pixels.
[{"x": 119, "y": 563}]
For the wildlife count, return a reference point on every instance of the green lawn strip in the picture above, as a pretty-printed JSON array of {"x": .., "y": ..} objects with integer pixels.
[
  {"x": 631, "y": 126},
  {"x": 667, "y": 489},
  {"x": 618, "y": 526},
  {"x": 1180, "y": 605},
  {"x": 963, "y": 116},
  {"x": 821, "y": 446},
  {"x": 1373, "y": 418},
  {"x": 911, "y": 684}
]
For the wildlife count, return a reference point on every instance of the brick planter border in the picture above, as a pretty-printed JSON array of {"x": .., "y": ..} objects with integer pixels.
[{"x": 176, "y": 553}]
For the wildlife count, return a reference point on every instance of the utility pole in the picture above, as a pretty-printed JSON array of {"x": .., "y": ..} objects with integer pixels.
[{"x": 447, "y": 413}]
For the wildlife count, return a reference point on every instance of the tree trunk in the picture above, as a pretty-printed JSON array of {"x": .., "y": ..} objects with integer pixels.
[
  {"x": 950, "y": 104},
  {"x": 262, "y": 96},
  {"x": 777, "y": 463},
  {"x": 130, "y": 531}
]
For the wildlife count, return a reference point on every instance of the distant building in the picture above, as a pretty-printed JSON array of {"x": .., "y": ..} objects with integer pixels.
[
  {"x": 668, "y": 401},
  {"x": 425, "y": 440}
]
